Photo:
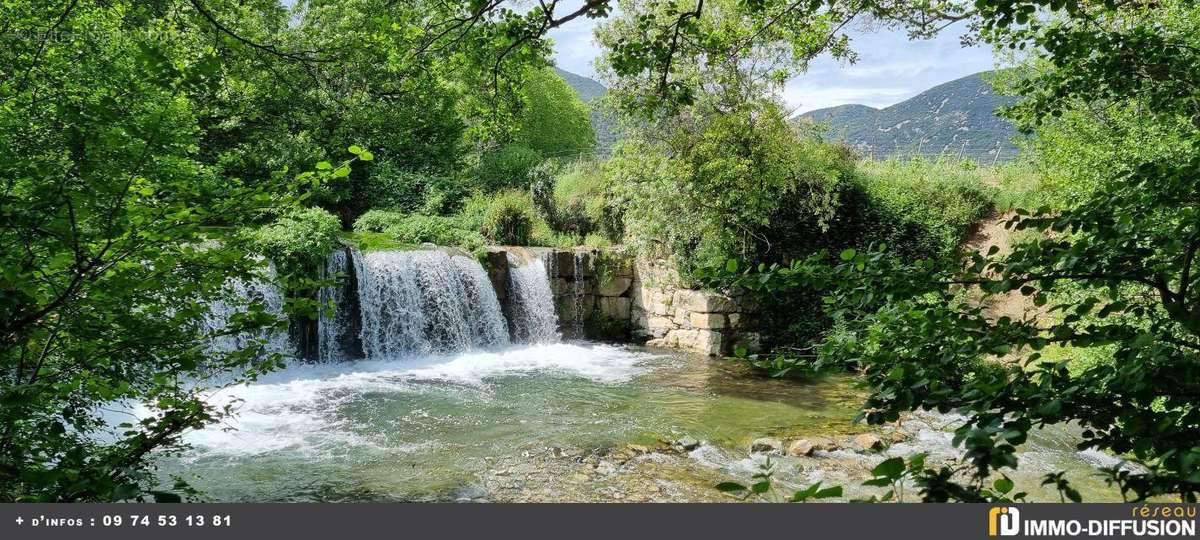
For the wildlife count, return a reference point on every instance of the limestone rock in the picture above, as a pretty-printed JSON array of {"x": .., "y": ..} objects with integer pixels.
[
  {"x": 703, "y": 301},
  {"x": 801, "y": 447},
  {"x": 615, "y": 307},
  {"x": 614, "y": 286},
  {"x": 708, "y": 321},
  {"x": 702, "y": 341},
  {"x": 766, "y": 445},
  {"x": 686, "y": 444},
  {"x": 659, "y": 326},
  {"x": 868, "y": 441}
]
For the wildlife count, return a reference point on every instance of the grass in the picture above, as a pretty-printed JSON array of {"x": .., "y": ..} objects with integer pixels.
[{"x": 375, "y": 241}]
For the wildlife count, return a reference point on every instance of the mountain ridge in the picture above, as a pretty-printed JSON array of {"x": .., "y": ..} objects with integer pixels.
[{"x": 953, "y": 118}]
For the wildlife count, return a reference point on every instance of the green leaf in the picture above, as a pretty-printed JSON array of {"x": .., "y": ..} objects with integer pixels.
[
  {"x": 1003, "y": 485},
  {"x": 890, "y": 468},
  {"x": 730, "y": 487},
  {"x": 848, "y": 254}
]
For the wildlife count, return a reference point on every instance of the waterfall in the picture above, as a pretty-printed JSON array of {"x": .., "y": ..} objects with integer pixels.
[
  {"x": 578, "y": 292},
  {"x": 425, "y": 301},
  {"x": 238, "y": 295},
  {"x": 533, "y": 316},
  {"x": 337, "y": 326}
]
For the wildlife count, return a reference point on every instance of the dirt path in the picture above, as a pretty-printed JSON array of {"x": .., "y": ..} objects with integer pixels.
[{"x": 992, "y": 232}]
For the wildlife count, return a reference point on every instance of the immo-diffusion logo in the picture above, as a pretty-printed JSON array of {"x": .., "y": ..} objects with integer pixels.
[
  {"x": 1143, "y": 520},
  {"x": 1004, "y": 521}
]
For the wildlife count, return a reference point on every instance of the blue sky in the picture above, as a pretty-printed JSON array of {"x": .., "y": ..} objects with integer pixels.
[{"x": 890, "y": 68}]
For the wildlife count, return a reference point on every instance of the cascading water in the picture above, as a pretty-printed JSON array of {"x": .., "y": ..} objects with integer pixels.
[
  {"x": 425, "y": 301},
  {"x": 336, "y": 329},
  {"x": 240, "y": 294},
  {"x": 533, "y": 315},
  {"x": 578, "y": 293}
]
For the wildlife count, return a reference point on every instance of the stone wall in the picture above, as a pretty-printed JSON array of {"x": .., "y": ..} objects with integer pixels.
[
  {"x": 603, "y": 294},
  {"x": 666, "y": 314}
]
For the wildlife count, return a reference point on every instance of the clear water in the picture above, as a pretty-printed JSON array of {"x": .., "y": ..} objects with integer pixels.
[{"x": 428, "y": 428}]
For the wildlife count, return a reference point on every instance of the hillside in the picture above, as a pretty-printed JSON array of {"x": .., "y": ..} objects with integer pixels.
[
  {"x": 951, "y": 118},
  {"x": 590, "y": 92}
]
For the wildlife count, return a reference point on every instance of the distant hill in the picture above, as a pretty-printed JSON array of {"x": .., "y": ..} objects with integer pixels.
[
  {"x": 587, "y": 89},
  {"x": 590, "y": 92},
  {"x": 951, "y": 118}
]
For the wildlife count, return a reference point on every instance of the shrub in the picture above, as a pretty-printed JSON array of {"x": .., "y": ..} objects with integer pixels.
[
  {"x": 377, "y": 220},
  {"x": 389, "y": 186},
  {"x": 297, "y": 241},
  {"x": 509, "y": 219},
  {"x": 443, "y": 231},
  {"x": 920, "y": 209},
  {"x": 506, "y": 168}
]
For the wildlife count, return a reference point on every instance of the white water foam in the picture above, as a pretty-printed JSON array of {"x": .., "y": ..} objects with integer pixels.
[{"x": 296, "y": 410}]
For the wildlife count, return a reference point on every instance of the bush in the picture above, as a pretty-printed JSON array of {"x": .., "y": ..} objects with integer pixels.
[
  {"x": 389, "y": 186},
  {"x": 920, "y": 209},
  {"x": 377, "y": 220},
  {"x": 443, "y": 231},
  {"x": 506, "y": 168},
  {"x": 297, "y": 241},
  {"x": 509, "y": 219}
]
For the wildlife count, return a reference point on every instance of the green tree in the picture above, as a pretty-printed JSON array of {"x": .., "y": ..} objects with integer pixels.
[
  {"x": 1115, "y": 270},
  {"x": 553, "y": 121},
  {"x": 110, "y": 266}
]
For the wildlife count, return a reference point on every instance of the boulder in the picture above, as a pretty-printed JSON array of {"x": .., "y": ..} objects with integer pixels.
[
  {"x": 614, "y": 286},
  {"x": 766, "y": 445},
  {"x": 801, "y": 447},
  {"x": 708, "y": 321},
  {"x": 497, "y": 269},
  {"x": 686, "y": 444},
  {"x": 868, "y": 441}
]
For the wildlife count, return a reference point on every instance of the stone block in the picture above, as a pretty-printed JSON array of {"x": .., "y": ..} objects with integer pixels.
[
  {"x": 613, "y": 286},
  {"x": 702, "y": 341},
  {"x": 704, "y": 301},
  {"x": 708, "y": 321},
  {"x": 734, "y": 320},
  {"x": 659, "y": 326},
  {"x": 681, "y": 319},
  {"x": 615, "y": 307}
]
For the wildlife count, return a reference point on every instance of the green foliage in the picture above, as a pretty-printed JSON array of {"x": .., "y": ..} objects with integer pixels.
[
  {"x": 737, "y": 184},
  {"x": 509, "y": 219},
  {"x": 920, "y": 209},
  {"x": 377, "y": 220},
  {"x": 506, "y": 168},
  {"x": 393, "y": 188},
  {"x": 764, "y": 488},
  {"x": 553, "y": 121},
  {"x": 410, "y": 229},
  {"x": 299, "y": 241},
  {"x": 443, "y": 231},
  {"x": 109, "y": 192}
]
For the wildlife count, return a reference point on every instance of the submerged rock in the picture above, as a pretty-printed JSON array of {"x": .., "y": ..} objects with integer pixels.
[{"x": 686, "y": 444}]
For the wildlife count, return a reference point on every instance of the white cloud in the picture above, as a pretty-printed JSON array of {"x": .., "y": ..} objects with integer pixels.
[{"x": 890, "y": 67}]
